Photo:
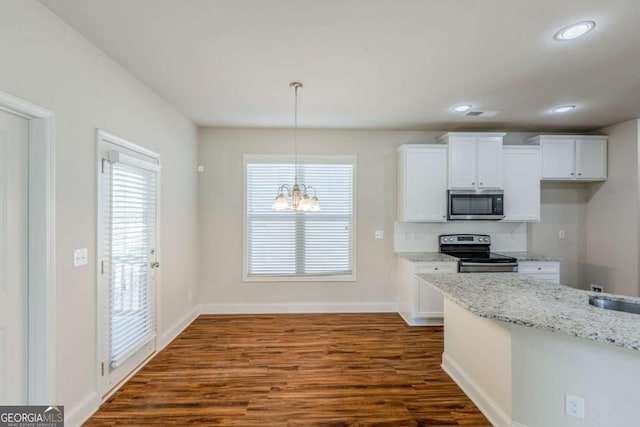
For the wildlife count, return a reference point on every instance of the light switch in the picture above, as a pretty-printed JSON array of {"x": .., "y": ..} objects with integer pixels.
[
  {"x": 80, "y": 257},
  {"x": 379, "y": 234}
]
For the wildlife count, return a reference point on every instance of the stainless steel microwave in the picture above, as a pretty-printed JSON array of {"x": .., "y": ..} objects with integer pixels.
[{"x": 475, "y": 205}]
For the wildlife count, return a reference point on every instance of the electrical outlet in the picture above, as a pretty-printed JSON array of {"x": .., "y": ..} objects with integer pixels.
[
  {"x": 379, "y": 234},
  {"x": 561, "y": 234},
  {"x": 416, "y": 235},
  {"x": 190, "y": 294},
  {"x": 80, "y": 257},
  {"x": 597, "y": 288},
  {"x": 574, "y": 406}
]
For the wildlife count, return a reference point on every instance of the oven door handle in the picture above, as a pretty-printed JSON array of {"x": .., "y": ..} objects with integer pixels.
[{"x": 489, "y": 264}]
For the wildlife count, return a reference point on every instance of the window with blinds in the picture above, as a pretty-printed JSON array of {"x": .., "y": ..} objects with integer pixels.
[
  {"x": 129, "y": 203},
  {"x": 295, "y": 245}
]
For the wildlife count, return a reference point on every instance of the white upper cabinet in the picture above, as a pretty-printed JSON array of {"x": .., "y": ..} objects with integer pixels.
[
  {"x": 422, "y": 183},
  {"x": 475, "y": 160},
  {"x": 521, "y": 183},
  {"x": 591, "y": 159},
  {"x": 490, "y": 162},
  {"x": 573, "y": 157}
]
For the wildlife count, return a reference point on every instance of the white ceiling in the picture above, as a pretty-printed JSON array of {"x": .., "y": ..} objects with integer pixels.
[{"x": 378, "y": 64}]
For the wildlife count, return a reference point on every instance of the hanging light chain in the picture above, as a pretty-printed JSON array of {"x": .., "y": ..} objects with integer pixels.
[
  {"x": 295, "y": 86},
  {"x": 298, "y": 194}
]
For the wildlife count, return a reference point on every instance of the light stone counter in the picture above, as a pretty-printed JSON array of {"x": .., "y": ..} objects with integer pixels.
[
  {"x": 522, "y": 300},
  {"x": 427, "y": 257},
  {"x": 530, "y": 256}
]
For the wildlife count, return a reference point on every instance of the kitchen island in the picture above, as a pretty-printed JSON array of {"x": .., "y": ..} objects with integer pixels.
[{"x": 517, "y": 346}]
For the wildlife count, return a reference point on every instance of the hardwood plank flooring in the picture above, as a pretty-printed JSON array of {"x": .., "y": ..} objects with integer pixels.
[{"x": 295, "y": 370}]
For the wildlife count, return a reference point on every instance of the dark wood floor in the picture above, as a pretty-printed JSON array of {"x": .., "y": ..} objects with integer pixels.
[{"x": 294, "y": 370}]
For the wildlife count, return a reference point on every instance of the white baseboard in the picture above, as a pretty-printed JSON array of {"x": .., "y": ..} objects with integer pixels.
[
  {"x": 422, "y": 321},
  {"x": 298, "y": 308},
  {"x": 178, "y": 327},
  {"x": 80, "y": 413},
  {"x": 487, "y": 406}
]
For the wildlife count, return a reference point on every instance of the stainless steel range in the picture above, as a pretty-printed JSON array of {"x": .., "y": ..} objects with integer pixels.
[{"x": 474, "y": 252}]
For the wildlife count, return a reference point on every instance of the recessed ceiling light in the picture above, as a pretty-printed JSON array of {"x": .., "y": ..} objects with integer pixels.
[
  {"x": 563, "y": 109},
  {"x": 461, "y": 108},
  {"x": 574, "y": 31}
]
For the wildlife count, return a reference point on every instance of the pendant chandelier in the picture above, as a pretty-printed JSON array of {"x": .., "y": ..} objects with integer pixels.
[{"x": 295, "y": 197}]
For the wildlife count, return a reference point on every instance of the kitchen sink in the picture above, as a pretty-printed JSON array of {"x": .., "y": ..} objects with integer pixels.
[{"x": 610, "y": 304}]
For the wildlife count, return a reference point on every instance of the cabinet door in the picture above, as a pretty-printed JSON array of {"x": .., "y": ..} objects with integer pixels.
[
  {"x": 521, "y": 184},
  {"x": 543, "y": 270},
  {"x": 463, "y": 162},
  {"x": 424, "y": 195},
  {"x": 489, "y": 163},
  {"x": 591, "y": 159},
  {"x": 557, "y": 158},
  {"x": 430, "y": 300}
]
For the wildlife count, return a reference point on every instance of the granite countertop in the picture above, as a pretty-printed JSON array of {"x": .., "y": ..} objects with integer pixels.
[
  {"x": 530, "y": 256},
  {"x": 427, "y": 257},
  {"x": 526, "y": 301}
]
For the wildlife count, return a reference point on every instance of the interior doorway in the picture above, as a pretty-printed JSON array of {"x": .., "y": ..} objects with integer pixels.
[
  {"x": 14, "y": 262},
  {"x": 28, "y": 209}
]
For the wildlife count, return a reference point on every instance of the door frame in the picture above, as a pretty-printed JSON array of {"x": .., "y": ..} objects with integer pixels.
[{"x": 41, "y": 300}]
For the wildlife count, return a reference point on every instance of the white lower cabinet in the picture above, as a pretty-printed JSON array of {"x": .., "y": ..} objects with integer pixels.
[
  {"x": 420, "y": 304},
  {"x": 545, "y": 270}
]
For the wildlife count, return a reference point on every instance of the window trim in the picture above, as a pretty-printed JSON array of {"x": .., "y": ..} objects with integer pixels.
[{"x": 287, "y": 159}]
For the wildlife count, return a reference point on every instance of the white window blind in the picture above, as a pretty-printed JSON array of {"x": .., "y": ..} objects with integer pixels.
[
  {"x": 129, "y": 203},
  {"x": 295, "y": 244}
]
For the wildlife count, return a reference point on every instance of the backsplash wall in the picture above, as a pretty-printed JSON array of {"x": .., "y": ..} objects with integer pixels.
[{"x": 423, "y": 237}]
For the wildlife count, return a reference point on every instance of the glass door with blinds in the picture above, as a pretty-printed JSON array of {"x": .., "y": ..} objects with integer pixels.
[{"x": 128, "y": 260}]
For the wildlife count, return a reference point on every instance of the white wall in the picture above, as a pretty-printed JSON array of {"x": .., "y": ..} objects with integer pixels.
[
  {"x": 563, "y": 207},
  {"x": 612, "y": 239},
  {"x": 477, "y": 356},
  {"x": 45, "y": 62},
  {"x": 221, "y": 219},
  {"x": 548, "y": 365},
  {"x": 423, "y": 237}
]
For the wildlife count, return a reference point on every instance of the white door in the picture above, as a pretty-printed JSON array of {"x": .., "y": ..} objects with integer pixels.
[
  {"x": 13, "y": 259},
  {"x": 128, "y": 262},
  {"x": 489, "y": 163},
  {"x": 557, "y": 159},
  {"x": 426, "y": 184},
  {"x": 591, "y": 159},
  {"x": 521, "y": 183},
  {"x": 463, "y": 162}
]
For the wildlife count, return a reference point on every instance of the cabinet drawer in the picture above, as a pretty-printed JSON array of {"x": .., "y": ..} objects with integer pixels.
[
  {"x": 443, "y": 267},
  {"x": 538, "y": 267},
  {"x": 548, "y": 277}
]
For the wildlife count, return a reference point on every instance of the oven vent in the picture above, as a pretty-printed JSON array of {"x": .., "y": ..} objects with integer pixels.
[{"x": 479, "y": 113}]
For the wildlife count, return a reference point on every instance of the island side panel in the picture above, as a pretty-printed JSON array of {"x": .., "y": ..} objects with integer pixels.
[
  {"x": 477, "y": 356},
  {"x": 547, "y": 365}
]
